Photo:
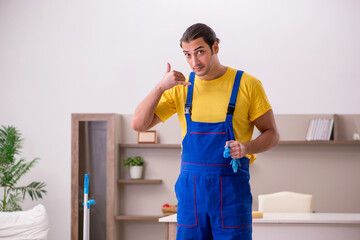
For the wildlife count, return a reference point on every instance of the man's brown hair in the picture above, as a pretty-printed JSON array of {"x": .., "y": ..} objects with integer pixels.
[{"x": 199, "y": 30}]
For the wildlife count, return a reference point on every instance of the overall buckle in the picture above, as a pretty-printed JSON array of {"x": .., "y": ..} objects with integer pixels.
[
  {"x": 187, "y": 109},
  {"x": 230, "y": 110}
]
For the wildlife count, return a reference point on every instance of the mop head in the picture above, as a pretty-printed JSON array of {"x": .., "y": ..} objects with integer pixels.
[{"x": 235, "y": 163}]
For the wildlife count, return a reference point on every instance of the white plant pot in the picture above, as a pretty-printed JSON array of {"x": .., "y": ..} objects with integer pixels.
[{"x": 136, "y": 172}]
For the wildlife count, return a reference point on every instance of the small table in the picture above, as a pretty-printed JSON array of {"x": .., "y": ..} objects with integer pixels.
[{"x": 297, "y": 226}]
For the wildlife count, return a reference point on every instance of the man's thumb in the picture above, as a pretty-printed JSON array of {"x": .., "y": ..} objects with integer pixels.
[{"x": 168, "y": 67}]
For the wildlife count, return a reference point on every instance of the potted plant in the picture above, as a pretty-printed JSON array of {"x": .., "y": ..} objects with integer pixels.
[
  {"x": 12, "y": 169},
  {"x": 135, "y": 164}
]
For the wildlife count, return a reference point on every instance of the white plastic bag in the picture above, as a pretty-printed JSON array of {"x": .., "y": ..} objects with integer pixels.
[{"x": 32, "y": 224}]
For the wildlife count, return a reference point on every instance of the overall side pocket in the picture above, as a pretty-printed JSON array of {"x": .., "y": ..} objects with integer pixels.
[
  {"x": 236, "y": 202},
  {"x": 185, "y": 189}
]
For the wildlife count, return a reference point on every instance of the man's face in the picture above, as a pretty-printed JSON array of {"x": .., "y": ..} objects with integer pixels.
[{"x": 199, "y": 56}]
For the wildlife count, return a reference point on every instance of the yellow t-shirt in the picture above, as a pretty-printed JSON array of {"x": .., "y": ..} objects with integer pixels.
[{"x": 211, "y": 100}]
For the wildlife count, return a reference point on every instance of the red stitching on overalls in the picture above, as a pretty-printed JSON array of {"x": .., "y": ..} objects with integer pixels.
[
  {"x": 213, "y": 163},
  {"x": 208, "y": 133},
  {"x": 207, "y": 163},
  {"x": 196, "y": 221},
  {"x": 222, "y": 220}
]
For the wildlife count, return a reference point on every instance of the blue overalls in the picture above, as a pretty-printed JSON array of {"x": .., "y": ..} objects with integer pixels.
[{"x": 213, "y": 201}]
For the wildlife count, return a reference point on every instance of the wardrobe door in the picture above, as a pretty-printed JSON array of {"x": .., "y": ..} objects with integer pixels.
[{"x": 93, "y": 154}]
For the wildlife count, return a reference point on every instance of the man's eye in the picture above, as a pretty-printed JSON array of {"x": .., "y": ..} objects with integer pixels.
[
  {"x": 187, "y": 55},
  {"x": 200, "y": 52}
]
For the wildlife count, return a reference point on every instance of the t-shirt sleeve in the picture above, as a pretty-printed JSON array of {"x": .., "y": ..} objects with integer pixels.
[
  {"x": 166, "y": 106},
  {"x": 259, "y": 103}
]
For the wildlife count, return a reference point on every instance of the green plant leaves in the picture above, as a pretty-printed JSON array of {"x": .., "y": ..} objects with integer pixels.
[
  {"x": 133, "y": 161},
  {"x": 34, "y": 190},
  {"x": 10, "y": 144},
  {"x": 12, "y": 170}
]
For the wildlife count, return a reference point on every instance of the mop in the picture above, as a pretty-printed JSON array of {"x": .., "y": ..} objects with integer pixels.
[{"x": 87, "y": 203}]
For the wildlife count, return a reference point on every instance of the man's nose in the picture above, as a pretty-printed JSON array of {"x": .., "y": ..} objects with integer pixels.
[{"x": 194, "y": 60}]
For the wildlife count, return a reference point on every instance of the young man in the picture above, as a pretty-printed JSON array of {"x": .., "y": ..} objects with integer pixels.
[{"x": 217, "y": 107}]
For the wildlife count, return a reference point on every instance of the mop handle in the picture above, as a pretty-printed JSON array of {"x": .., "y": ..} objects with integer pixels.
[
  {"x": 86, "y": 184},
  {"x": 86, "y": 209}
]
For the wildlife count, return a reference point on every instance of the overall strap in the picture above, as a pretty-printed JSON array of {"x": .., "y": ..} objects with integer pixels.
[
  {"x": 189, "y": 98},
  {"x": 232, "y": 102},
  {"x": 234, "y": 93}
]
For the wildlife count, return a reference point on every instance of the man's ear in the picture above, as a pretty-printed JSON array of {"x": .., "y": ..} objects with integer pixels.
[{"x": 215, "y": 47}]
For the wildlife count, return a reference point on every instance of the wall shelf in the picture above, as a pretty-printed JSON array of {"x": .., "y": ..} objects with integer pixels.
[
  {"x": 139, "y": 181},
  {"x": 319, "y": 143},
  {"x": 137, "y": 218},
  {"x": 292, "y": 142},
  {"x": 135, "y": 145},
  {"x": 133, "y": 194}
]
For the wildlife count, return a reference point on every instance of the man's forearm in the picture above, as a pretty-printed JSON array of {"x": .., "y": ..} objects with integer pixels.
[
  {"x": 267, "y": 140},
  {"x": 144, "y": 117},
  {"x": 144, "y": 113}
]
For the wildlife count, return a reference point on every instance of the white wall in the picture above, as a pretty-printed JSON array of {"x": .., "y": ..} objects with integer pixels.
[{"x": 62, "y": 57}]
